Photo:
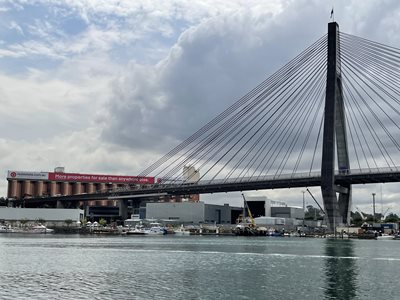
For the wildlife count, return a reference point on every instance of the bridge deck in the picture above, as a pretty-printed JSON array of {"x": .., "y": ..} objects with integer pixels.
[{"x": 244, "y": 184}]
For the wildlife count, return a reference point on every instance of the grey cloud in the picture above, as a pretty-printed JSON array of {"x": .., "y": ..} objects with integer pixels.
[{"x": 210, "y": 67}]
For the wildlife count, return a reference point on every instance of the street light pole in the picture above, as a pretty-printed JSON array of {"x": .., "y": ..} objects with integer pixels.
[
  {"x": 373, "y": 206},
  {"x": 304, "y": 210}
]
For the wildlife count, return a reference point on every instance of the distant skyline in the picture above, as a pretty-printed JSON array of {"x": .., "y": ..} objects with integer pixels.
[{"x": 106, "y": 86}]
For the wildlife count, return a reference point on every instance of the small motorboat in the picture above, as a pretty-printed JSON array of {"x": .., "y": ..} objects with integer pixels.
[
  {"x": 138, "y": 230},
  {"x": 384, "y": 236},
  {"x": 6, "y": 229},
  {"x": 40, "y": 229},
  {"x": 182, "y": 231},
  {"x": 155, "y": 229}
]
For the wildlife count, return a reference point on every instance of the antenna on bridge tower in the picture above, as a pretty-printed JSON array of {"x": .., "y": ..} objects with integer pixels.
[{"x": 334, "y": 137}]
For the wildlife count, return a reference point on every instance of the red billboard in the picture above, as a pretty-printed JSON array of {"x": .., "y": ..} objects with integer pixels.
[{"x": 100, "y": 178}]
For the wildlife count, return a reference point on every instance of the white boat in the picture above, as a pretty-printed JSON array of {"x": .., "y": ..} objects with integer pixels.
[
  {"x": 182, "y": 231},
  {"x": 138, "y": 230},
  {"x": 34, "y": 229},
  {"x": 6, "y": 229},
  {"x": 155, "y": 229},
  {"x": 40, "y": 229},
  {"x": 385, "y": 237}
]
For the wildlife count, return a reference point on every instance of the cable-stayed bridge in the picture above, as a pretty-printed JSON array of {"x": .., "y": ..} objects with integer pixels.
[{"x": 329, "y": 118}]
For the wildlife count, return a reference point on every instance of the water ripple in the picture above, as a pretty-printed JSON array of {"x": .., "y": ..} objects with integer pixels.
[{"x": 68, "y": 267}]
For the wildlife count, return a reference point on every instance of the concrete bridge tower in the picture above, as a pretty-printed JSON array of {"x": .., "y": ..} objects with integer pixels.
[{"x": 334, "y": 138}]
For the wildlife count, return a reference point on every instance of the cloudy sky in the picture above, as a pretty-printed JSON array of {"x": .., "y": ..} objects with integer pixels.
[{"x": 109, "y": 86}]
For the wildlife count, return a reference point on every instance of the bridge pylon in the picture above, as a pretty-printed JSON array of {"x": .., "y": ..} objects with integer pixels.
[{"x": 334, "y": 138}]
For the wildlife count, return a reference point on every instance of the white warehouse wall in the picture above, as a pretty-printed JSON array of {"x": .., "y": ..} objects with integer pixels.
[{"x": 47, "y": 214}]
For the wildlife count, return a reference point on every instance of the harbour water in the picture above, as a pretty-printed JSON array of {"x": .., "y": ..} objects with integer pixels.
[{"x": 196, "y": 267}]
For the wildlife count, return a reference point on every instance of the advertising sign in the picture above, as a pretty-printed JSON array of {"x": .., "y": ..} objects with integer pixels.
[
  {"x": 100, "y": 178},
  {"x": 27, "y": 175},
  {"x": 52, "y": 176}
]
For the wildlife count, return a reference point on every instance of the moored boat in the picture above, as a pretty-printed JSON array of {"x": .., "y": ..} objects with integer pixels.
[
  {"x": 138, "y": 230},
  {"x": 155, "y": 229},
  {"x": 40, "y": 229},
  {"x": 182, "y": 231},
  {"x": 6, "y": 229},
  {"x": 384, "y": 237},
  {"x": 33, "y": 229},
  {"x": 273, "y": 233},
  {"x": 245, "y": 229}
]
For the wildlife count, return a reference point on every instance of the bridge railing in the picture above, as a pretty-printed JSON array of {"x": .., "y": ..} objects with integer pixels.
[
  {"x": 261, "y": 178},
  {"x": 385, "y": 170},
  {"x": 310, "y": 175}
]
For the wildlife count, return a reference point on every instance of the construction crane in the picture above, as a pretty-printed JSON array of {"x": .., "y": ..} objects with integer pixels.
[
  {"x": 384, "y": 214},
  {"x": 250, "y": 216},
  {"x": 320, "y": 207}
]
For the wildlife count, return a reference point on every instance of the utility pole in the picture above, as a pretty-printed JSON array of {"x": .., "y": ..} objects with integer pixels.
[{"x": 373, "y": 207}]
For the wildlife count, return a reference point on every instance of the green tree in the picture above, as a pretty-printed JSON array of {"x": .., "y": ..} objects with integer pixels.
[
  {"x": 356, "y": 219},
  {"x": 103, "y": 222},
  {"x": 23, "y": 222},
  {"x": 3, "y": 201},
  {"x": 68, "y": 222},
  {"x": 370, "y": 218},
  {"x": 392, "y": 218},
  {"x": 313, "y": 213}
]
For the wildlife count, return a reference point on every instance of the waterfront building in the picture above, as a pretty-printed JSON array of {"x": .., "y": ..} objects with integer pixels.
[
  {"x": 51, "y": 216},
  {"x": 261, "y": 206},
  {"x": 278, "y": 215},
  {"x": 192, "y": 212}
]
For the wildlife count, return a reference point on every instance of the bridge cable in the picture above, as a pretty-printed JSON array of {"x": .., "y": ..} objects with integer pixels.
[
  {"x": 237, "y": 125},
  {"x": 231, "y": 109},
  {"x": 223, "y": 129},
  {"x": 256, "y": 143}
]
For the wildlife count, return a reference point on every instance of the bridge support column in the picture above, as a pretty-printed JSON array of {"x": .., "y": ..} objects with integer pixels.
[
  {"x": 123, "y": 209},
  {"x": 345, "y": 206},
  {"x": 334, "y": 137}
]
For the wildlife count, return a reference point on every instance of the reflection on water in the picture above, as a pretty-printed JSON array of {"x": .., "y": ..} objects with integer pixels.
[{"x": 341, "y": 270}]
